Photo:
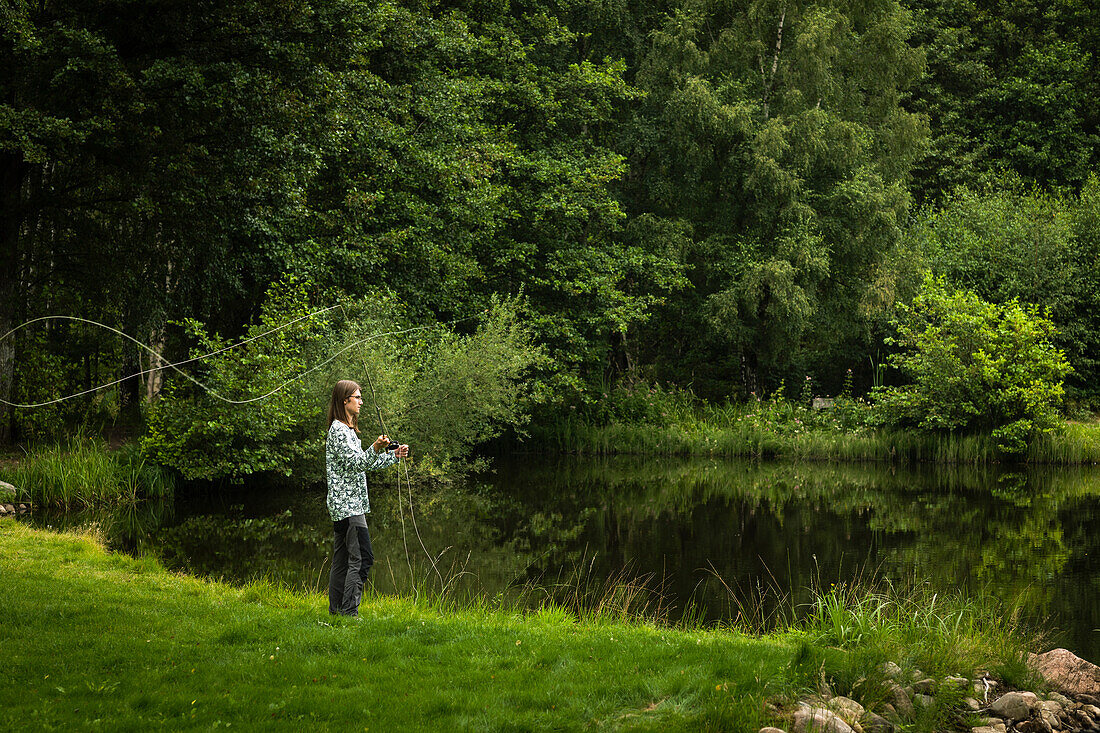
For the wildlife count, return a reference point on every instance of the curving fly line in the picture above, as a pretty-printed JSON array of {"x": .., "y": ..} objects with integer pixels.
[{"x": 177, "y": 364}]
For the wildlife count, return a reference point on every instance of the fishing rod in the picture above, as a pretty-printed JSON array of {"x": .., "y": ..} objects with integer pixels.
[{"x": 408, "y": 484}]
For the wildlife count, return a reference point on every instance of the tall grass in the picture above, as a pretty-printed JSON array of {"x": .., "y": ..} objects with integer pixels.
[
  {"x": 84, "y": 473},
  {"x": 780, "y": 429},
  {"x": 1078, "y": 443},
  {"x": 870, "y": 617},
  {"x": 705, "y": 438},
  {"x": 915, "y": 625}
]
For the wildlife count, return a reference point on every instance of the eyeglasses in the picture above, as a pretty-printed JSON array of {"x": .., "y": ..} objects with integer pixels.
[{"x": 355, "y": 397}]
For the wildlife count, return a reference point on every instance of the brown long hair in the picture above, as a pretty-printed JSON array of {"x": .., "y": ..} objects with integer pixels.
[{"x": 336, "y": 410}]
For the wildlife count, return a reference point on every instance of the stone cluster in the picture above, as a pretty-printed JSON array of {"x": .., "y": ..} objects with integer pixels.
[
  {"x": 21, "y": 508},
  {"x": 11, "y": 507},
  {"x": 1073, "y": 703}
]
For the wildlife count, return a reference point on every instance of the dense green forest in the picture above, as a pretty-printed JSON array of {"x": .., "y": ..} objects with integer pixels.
[{"x": 722, "y": 195}]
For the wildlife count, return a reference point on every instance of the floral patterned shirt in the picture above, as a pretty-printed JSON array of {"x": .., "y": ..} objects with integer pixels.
[{"x": 345, "y": 462}]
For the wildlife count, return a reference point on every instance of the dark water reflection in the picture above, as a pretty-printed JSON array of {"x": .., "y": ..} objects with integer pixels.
[
  {"x": 1028, "y": 536},
  {"x": 695, "y": 529}
]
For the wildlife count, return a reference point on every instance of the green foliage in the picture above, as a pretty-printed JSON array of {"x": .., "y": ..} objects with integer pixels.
[
  {"x": 156, "y": 162},
  {"x": 467, "y": 389},
  {"x": 246, "y": 411},
  {"x": 1007, "y": 88},
  {"x": 975, "y": 366},
  {"x": 48, "y": 373},
  {"x": 783, "y": 157},
  {"x": 700, "y": 193},
  {"x": 82, "y": 473},
  {"x": 441, "y": 392},
  {"x": 472, "y": 169},
  {"x": 1004, "y": 241},
  {"x": 637, "y": 404}
]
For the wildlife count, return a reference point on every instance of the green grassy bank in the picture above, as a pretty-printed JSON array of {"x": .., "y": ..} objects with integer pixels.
[
  {"x": 787, "y": 437},
  {"x": 94, "y": 640}
]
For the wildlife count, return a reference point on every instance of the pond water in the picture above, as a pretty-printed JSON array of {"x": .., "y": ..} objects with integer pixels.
[{"x": 721, "y": 538}]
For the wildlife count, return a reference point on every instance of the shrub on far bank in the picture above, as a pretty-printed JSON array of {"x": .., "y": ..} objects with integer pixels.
[
  {"x": 975, "y": 367},
  {"x": 637, "y": 403},
  {"x": 260, "y": 407}
]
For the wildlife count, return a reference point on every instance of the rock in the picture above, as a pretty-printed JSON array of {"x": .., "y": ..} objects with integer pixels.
[
  {"x": 1083, "y": 719},
  {"x": 900, "y": 700},
  {"x": 1031, "y": 699},
  {"x": 1067, "y": 672},
  {"x": 3, "y": 510},
  {"x": 1092, "y": 710},
  {"x": 1050, "y": 712},
  {"x": 1011, "y": 705},
  {"x": 999, "y": 728},
  {"x": 923, "y": 701},
  {"x": 772, "y": 730},
  {"x": 927, "y": 686},
  {"x": 1030, "y": 726},
  {"x": 9, "y": 509},
  {"x": 1061, "y": 699},
  {"x": 972, "y": 703},
  {"x": 818, "y": 720},
  {"x": 891, "y": 670},
  {"x": 876, "y": 724},
  {"x": 848, "y": 709}
]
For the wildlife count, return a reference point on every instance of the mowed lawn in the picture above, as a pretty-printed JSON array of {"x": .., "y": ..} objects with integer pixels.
[{"x": 95, "y": 640}]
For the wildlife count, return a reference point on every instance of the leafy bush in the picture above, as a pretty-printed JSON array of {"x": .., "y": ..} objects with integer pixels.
[
  {"x": 243, "y": 411},
  {"x": 639, "y": 404},
  {"x": 441, "y": 392},
  {"x": 1003, "y": 240},
  {"x": 975, "y": 366},
  {"x": 465, "y": 390},
  {"x": 778, "y": 414}
]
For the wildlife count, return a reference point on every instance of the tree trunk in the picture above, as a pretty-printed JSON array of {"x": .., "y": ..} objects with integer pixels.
[{"x": 155, "y": 378}]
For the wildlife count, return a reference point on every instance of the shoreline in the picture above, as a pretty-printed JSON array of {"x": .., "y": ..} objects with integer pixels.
[{"x": 139, "y": 639}]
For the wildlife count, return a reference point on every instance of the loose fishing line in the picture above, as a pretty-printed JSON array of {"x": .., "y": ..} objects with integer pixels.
[
  {"x": 151, "y": 369},
  {"x": 400, "y": 508},
  {"x": 213, "y": 393},
  {"x": 175, "y": 365}
]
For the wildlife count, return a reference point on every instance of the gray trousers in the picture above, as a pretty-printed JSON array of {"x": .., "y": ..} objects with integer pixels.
[{"x": 352, "y": 559}]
